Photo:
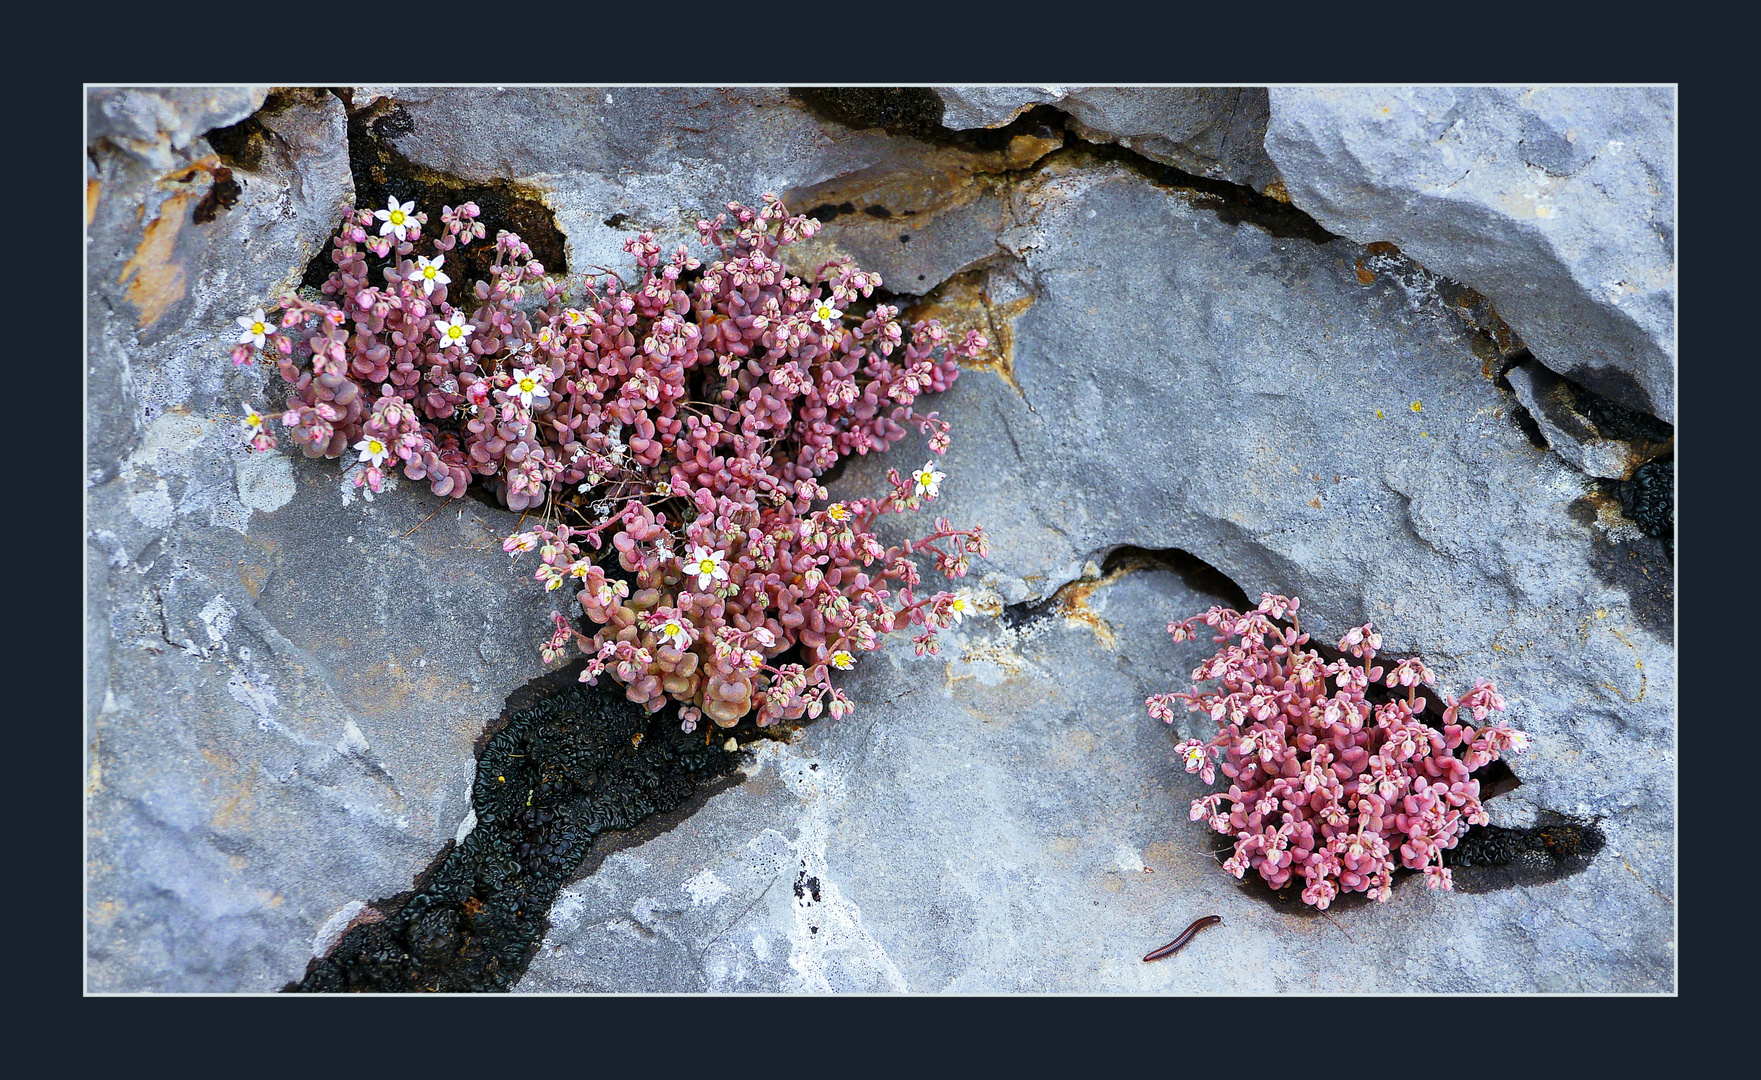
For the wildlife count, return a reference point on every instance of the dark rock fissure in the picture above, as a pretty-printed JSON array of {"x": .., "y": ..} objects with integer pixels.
[
  {"x": 564, "y": 764},
  {"x": 381, "y": 172}
]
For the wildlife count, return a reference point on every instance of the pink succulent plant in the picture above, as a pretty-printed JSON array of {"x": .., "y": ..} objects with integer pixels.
[
  {"x": 1324, "y": 785},
  {"x": 684, "y": 422}
]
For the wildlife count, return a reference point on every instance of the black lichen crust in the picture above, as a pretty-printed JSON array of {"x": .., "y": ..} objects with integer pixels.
[
  {"x": 1648, "y": 499},
  {"x": 1489, "y": 858},
  {"x": 567, "y": 763}
]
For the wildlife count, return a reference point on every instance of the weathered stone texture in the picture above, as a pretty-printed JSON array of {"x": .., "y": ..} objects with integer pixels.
[{"x": 1558, "y": 203}]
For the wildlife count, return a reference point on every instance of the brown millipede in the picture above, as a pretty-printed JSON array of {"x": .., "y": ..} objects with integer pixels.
[{"x": 1185, "y": 936}]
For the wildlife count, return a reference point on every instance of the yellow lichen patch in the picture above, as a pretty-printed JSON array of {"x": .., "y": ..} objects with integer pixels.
[
  {"x": 999, "y": 653},
  {"x": 1277, "y": 190},
  {"x": 92, "y": 186},
  {"x": 961, "y": 304},
  {"x": 1637, "y": 663}
]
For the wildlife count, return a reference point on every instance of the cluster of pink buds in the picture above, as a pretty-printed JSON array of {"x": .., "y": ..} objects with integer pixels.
[
  {"x": 680, "y": 422},
  {"x": 1325, "y": 785}
]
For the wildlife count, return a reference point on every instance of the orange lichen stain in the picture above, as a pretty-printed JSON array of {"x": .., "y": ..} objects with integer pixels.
[
  {"x": 962, "y": 304},
  {"x": 1365, "y": 277},
  {"x": 273, "y": 899},
  {"x": 237, "y": 810},
  {"x": 92, "y": 186},
  {"x": 1073, "y": 601},
  {"x": 1277, "y": 190},
  {"x": 1315, "y": 502},
  {"x": 252, "y": 577},
  {"x": 158, "y": 276}
]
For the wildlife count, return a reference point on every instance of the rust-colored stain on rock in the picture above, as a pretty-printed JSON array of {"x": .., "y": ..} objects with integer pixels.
[
  {"x": 158, "y": 276},
  {"x": 963, "y": 304},
  {"x": 92, "y": 187}
]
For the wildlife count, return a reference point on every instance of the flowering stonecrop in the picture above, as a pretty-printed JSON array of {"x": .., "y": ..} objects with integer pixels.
[
  {"x": 684, "y": 421},
  {"x": 1327, "y": 786}
]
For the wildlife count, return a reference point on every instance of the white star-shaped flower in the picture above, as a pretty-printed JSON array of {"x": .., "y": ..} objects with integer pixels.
[
  {"x": 961, "y": 606},
  {"x": 373, "y": 450},
  {"x": 929, "y": 481},
  {"x": 1195, "y": 757},
  {"x": 428, "y": 273},
  {"x": 253, "y": 421},
  {"x": 674, "y": 631},
  {"x": 842, "y": 660},
  {"x": 527, "y": 385},
  {"x": 253, "y": 327},
  {"x": 453, "y": 332},
  {"x": 398, "y": 219},
  {"x": 707, "y": 565},
  {"x": 826, "y": 315}
]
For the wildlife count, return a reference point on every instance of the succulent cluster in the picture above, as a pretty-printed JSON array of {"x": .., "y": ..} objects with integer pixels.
[
  {"x": 1327, "y": 785},
  {"x": 684, "y": 419}
]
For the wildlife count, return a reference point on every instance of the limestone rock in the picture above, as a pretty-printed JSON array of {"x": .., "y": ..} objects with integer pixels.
[
  {"x": 1568, "y": 418},
  {"x": 1215, "y": 132},
  {"x": 155, "y": 123},
  {"x": 1557, "y": 203},
  {"x": 284, "y": 679},
  {"x": 984, "y": 820}
]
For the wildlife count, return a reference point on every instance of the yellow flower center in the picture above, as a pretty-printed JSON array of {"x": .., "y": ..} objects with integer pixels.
[
  {"x": 455, "y": 332},
  {"x": 397, "y": 217},
  {"x": 428, "y": 272},
  {"x": 374, "y": 446},
  {"x": 707, "y": 566},
  {"x": 258, "y": 328},
  {"x": 528, "y": 385}
]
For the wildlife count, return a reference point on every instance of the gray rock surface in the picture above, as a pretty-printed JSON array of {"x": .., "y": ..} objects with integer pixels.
[
  {"x": 1571, "y": 434},
  {"x": 666, "y": 157},
  {"x": 1216, "y": 132},
  {"x": 1249, "y": 400},
  {"x": 157, "y": 123},
  {"x": 1557, "y": 203},
  {"x": 284, "y": 679}
]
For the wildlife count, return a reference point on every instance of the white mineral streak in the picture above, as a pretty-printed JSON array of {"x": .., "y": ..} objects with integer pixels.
[{"x": 829, "y": 948}]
